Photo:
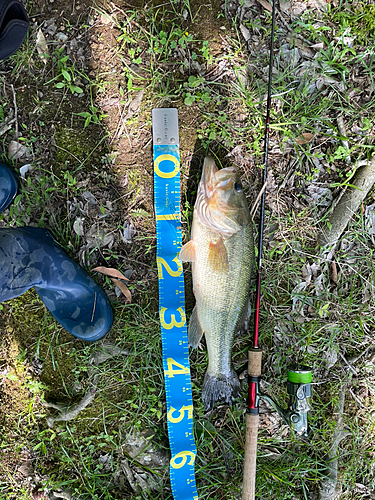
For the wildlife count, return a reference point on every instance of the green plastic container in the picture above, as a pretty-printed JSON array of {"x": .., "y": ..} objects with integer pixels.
[{"x": 300, "y": 375}]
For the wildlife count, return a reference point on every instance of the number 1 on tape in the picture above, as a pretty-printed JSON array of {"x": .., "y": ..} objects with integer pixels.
[{"x": 172, "y": 303}]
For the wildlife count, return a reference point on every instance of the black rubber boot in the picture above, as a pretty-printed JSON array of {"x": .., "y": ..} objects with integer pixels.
[
  {"x": 30, "y": 257},
  {"x": 8, "y": 186},
  {"x": 14, "y": 24}
]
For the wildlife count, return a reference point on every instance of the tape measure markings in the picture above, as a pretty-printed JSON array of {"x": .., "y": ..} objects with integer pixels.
[{"x": 172, "y": 305}]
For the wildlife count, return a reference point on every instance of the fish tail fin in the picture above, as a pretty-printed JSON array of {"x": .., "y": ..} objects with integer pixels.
[{"x": 220, "y": 389}]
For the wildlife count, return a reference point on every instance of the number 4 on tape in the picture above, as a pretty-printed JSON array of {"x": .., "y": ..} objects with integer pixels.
[{"x": 172, "y": 303}]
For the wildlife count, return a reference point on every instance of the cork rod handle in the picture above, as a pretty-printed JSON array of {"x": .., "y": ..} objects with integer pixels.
[
  {"x": 251, "y": 438},
  {"x": 249, "y": 472}
]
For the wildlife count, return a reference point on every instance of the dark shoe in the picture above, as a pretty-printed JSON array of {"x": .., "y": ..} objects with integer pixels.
[
  {"x": 14, "y": 24},
  {"x": 8, "y": 186},
  {"x": 30, "y": 257}
]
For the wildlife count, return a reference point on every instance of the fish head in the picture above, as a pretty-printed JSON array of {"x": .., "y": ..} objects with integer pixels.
[{"x": 225, "y": 203}]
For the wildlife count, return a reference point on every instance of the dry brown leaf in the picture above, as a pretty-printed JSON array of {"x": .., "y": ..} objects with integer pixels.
[
  {"x": 305, "y": 138},
  {"x": 110, "y": 271},
  {"x": 125, "y": 290},
  {"x": 41, "y": 46},
  {"x": 285, "y": 6},
  {"x": 333, "y": 273},
  {"x": 266, "y": 5}
]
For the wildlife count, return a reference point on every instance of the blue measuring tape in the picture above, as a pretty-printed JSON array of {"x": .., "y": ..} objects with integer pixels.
[{"x": 172, "y": 303}]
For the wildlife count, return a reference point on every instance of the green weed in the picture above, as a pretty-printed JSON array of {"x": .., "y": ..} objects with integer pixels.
[{"x": 66, "y": 74}]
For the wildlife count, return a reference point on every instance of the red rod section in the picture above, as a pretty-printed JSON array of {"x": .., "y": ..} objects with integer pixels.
[
  {"x": 251, "y": 397},
  {"x": 252, "y": 400},
  {"x": 257, "y": 308}
]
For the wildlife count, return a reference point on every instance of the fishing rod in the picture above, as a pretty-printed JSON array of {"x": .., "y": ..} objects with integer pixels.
[
  {"x": 255, "y": 354},
  {"x": 299, "y": 377}
]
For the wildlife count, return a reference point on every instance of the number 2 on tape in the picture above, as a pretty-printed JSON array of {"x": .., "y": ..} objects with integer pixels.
[{"x": 162, "y": 262}]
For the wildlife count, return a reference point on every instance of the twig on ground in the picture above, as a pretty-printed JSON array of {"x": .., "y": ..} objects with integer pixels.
[
  {"x": 348, "y": 364},
  {"x": 73, "y": 411},
  {"x": 344, "y": 140},
  {"x": 129, "y": 476},
  {"x": 363, "y": 181},
  {"x": 15, "y": 112},
  {"x": 254, "y": 208},
  {"x": 68, "y": 413},
  {"x": 328, "y": 488},
  {"x": 133, "y": 108}
]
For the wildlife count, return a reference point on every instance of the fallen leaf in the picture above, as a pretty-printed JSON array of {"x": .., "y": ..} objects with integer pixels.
[
  {"x": 317, "y": 46},
  {"x": 41, "y": 46},
  {"x": 245, "y": 32},
  {"x": 135, "y": 104},
  {"x": 110, "y": 271},
  {"x": 26, "y": 469},
  {"x": 17, "y": 150},
  {"x": 98, "y": 238},
  {"x": 333, "y": 273},
  {"x": 303, "y": 48},
  {"x": 78, "y": 226},
  {"x": 318, "y": 5},
  {"x": 285, "y": 6},
  {"x": 305, "y": 138},
  {"x": 125, "y": 290},
  {"x": 265, "y": 5},
  {"x": 24, "y": 169}
]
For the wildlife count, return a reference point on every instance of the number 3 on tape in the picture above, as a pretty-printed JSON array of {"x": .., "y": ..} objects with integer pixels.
[{"x": 172, "y": 303}]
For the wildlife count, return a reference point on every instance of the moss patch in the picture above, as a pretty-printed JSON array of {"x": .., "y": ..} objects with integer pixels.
[{"x": 72, "y": 149}]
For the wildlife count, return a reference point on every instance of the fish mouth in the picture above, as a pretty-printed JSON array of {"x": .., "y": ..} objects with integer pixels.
[
  {"x": 214, "y": 209},
  {"x": 213, "y": 178},
  {"x": 208, "y": 176}
]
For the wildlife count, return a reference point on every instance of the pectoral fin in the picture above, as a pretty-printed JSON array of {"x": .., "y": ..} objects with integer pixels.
[
  {"x": 218, "y": 256},
  {"x": 187, "y": 252},
  {"x": 195, "y": 332}
]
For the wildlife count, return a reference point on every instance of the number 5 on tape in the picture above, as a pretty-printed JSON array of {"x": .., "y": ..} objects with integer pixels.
[{"x": 172, "y": 304}]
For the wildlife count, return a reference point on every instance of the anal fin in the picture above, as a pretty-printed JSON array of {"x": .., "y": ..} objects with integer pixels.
[
  {"x": 244, "y": 321},
  {"x": 195, "y": 332}
]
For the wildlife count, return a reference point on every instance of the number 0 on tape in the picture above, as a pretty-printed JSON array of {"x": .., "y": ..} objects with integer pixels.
[{"x": 172, "y": 303}]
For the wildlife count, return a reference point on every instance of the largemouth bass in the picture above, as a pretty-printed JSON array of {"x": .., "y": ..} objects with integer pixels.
[{"x": 221, "y": 250}]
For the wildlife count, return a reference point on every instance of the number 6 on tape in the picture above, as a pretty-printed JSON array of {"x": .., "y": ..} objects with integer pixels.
[{"x": 172, "y": 303}]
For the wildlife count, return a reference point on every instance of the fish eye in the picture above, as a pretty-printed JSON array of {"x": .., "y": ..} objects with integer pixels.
[{"x": 238, "y": 187}]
